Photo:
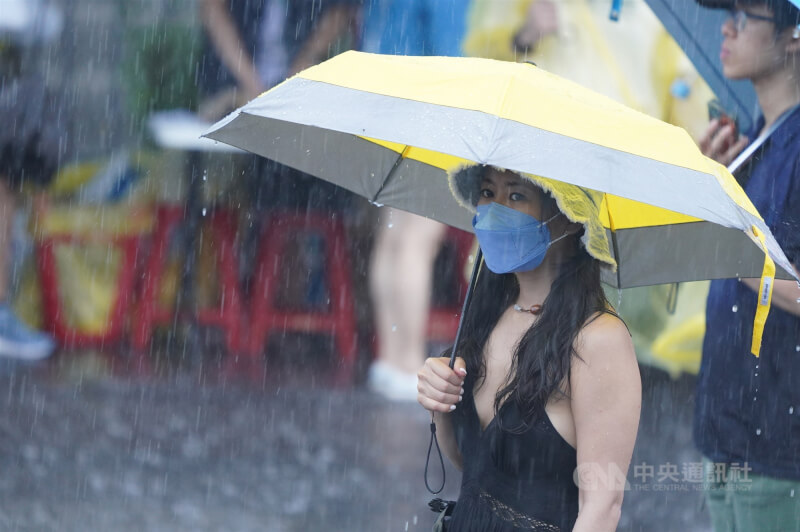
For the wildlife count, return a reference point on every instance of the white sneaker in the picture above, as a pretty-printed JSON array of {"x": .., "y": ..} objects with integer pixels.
[
  {"x": 391, "y": 383},
  {"x": 18, "y": 341}
]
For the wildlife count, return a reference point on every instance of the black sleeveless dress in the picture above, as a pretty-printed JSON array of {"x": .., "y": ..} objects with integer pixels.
[{"x": 513, "y": 482}]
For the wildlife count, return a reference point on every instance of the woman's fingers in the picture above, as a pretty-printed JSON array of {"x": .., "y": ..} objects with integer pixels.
[
  {"x": 440, "y": 388},
  {"x": 441, "y": 367},
  {"x": 460, "y": 367},
  {"x": 435, "y": 382},
  {"x": 435, "y": 406}
]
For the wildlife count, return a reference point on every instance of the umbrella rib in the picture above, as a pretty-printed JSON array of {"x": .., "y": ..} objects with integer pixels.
[{"x": 390, "y": 175}]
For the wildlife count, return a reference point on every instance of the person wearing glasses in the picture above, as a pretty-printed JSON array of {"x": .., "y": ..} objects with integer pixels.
[{"x": 747, "y": 411}]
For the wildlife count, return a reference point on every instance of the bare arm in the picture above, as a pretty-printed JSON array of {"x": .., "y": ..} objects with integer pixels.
[
  {"x": 335, "y": 21},
  {"x": 229, "y": 45},
  {"x": 440, "y": 390},
  {"x": 606, "y": 402},
  {"x": 785, "y": 294}
]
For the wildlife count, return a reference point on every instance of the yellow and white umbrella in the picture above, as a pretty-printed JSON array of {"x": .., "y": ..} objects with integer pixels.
[{"x": 390, "y": 128}]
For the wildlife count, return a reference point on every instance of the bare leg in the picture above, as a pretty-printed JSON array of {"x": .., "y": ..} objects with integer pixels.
[{"x": 400, "y": 283}]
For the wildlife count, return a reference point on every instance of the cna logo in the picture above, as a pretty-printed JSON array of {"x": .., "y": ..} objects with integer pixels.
[{"x": 592, "y": 476}]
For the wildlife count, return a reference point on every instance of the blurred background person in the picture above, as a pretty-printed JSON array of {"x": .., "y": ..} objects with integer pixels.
[
  {"x": 255, "y": 44},
  {"x": 747, "y": 417},
  {"x": 251, "y": 46},
  {"x": 406, "y": 245},
  {"x": 31, "y": 147},
  {"x": 245, "y": 52}
]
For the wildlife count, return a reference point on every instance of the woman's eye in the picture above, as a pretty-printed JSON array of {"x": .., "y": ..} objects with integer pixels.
[
  {"x": 486, "y": 193},
  {"x": 516, "y": 196}
]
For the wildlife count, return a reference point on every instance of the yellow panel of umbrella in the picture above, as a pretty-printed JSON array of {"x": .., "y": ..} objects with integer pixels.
[{"x": 390, "y": 128}]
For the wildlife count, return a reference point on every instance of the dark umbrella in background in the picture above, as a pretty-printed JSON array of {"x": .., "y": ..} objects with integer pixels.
[{"x": 697, "y": 31}]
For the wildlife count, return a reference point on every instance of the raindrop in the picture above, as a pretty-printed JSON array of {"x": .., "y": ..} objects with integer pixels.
[
  {"x": 735, "y": 308},
  {"x": 204, "y": 211},
  {"x": 791, "y": 410},
  {"x": 791, "y": 493},
  {"x": 394, "y": 328},
  {"x": 758, "y": 432},
  {"x": 756, "y": 374},
  {"x": 390, "y": 225},
  {"x": 797, "y": 348}
]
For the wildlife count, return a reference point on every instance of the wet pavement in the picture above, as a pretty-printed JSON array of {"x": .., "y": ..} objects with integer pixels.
[{"x": 103, "y": 441}]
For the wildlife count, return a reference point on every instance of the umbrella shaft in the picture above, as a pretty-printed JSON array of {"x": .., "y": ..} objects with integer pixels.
[{"x": 472, "y": 281}]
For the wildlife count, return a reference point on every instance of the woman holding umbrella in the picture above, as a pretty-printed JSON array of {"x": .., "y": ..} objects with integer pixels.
[{"x": 542, "y": 407}]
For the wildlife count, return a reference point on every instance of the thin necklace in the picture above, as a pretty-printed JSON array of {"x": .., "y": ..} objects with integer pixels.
[{"x": 535, "y": 309}]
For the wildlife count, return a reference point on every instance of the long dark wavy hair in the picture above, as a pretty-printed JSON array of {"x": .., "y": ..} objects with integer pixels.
[{"x": 543, "y": 356}]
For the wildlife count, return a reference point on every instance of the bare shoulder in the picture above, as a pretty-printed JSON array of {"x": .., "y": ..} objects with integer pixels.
[
  {"x": 604, "y": 343},
  {"x": 605, "y": 382}
]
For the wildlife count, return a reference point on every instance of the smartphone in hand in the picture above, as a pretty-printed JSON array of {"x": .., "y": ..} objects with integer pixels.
[{"x": 717, "y": 112}]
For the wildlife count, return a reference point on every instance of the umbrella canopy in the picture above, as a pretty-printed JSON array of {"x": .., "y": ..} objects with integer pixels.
[
  {"x": 697, "y": 32},
  {"x": 391, "y": 128}
]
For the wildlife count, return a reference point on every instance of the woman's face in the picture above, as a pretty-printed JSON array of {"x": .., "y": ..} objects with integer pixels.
[{"x": 514, "y": 191}]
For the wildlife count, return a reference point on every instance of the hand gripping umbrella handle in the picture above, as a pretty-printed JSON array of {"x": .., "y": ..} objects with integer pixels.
[{"x": 434, "y": 441}]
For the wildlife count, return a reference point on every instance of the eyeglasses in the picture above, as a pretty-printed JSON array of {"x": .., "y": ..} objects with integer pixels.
[{"x": 740, "y": 16}]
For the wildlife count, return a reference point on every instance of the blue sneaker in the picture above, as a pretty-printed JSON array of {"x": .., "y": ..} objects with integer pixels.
[{"x": 18, "y": 341}]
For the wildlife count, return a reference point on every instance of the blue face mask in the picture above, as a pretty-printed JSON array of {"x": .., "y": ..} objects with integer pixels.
[{"x": 511, "y": 241}]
